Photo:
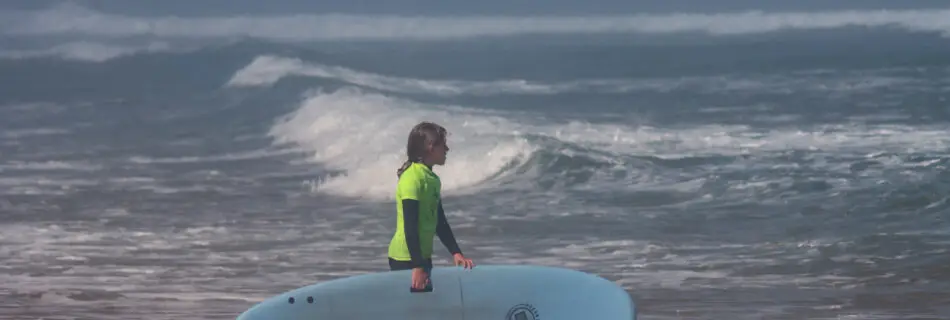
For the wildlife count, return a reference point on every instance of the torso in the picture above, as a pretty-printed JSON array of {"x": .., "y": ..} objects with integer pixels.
[{"x": 420, "y": 183}]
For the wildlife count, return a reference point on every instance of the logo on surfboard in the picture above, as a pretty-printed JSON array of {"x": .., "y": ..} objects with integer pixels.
[{"x": 523, "y": 312}]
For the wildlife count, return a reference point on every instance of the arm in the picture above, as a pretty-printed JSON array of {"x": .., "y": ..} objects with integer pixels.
[
  {"x": 410, "y": 212},
  {"x": 445, "y": 233}
]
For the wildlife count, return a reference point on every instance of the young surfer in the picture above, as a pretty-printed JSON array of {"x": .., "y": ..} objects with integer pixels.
[{"x": 419, "y": 213}]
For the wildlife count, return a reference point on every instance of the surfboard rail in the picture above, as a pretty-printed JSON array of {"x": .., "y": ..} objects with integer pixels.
[{"x": 502, "y": 292}]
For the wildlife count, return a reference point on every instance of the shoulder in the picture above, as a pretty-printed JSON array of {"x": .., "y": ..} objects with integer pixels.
[
  {"x": 411, "y": 173},
  {"x": 411, "y": 177},
  {"x": 412, "y": 184}
]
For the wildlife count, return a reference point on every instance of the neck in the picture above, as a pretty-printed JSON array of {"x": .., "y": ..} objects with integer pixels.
[{"x": 426, "y": 162}]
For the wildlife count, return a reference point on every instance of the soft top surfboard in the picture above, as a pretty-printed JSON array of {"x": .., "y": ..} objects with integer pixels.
[{"x": 502, "y": 292}]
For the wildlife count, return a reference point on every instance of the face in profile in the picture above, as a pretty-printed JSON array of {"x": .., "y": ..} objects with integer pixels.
[{"x": 438, "y": 153}]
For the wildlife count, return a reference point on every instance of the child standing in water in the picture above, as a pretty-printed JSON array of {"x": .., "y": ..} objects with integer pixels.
[{"x": 419, "y": 213}]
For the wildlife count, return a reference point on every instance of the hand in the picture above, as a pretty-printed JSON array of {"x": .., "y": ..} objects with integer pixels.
[
  {"x": 460, "y": 260},
  {"x": 420, "y": 279}
]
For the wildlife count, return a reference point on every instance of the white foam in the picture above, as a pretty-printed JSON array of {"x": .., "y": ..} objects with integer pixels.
[
  {"x": 365, "y": 135},
  {"x": 73, "y": 19},
  {"x": 717, "y": 139}
]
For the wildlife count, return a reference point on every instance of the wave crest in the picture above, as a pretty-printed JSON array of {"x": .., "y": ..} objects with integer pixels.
[
  {"x": 362, "y": 136},
  {"x": 266, "y": 70},
  {"x": 72, "y": 19}
]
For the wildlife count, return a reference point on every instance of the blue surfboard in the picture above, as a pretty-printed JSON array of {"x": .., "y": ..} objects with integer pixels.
[{"x": 496, "y": 292}]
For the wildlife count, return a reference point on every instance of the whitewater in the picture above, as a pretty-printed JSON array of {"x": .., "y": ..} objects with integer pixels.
[{"x": 743, "y": 165}]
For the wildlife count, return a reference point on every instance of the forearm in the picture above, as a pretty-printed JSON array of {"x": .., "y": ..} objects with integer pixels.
[
  {"x": 445, "y": 233},
  {"x": 410, "y": 211}
]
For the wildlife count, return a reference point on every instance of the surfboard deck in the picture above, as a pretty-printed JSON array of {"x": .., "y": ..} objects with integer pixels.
[{"x": 502, "y": 292}]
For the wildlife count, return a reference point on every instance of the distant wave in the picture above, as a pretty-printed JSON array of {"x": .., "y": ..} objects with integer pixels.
[
  {"x": 76, "y": 20},
  {"x": 86, "y": 51},
  {"x": 266, "y": 70}
]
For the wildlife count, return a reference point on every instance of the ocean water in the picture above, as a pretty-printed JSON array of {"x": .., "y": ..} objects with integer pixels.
[{"x": 744, "y": 165}]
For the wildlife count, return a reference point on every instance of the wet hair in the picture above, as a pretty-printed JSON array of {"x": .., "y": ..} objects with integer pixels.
[{"x": 421, "y": 136}]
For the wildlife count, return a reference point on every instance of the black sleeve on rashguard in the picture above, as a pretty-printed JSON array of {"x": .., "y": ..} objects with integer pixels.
[
  {"x": 410, "y": 216},
  {"x": 445, "y": 233}
]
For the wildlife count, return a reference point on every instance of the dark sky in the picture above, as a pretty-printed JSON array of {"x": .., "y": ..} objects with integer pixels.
[{"x": 466, "y": 7}]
